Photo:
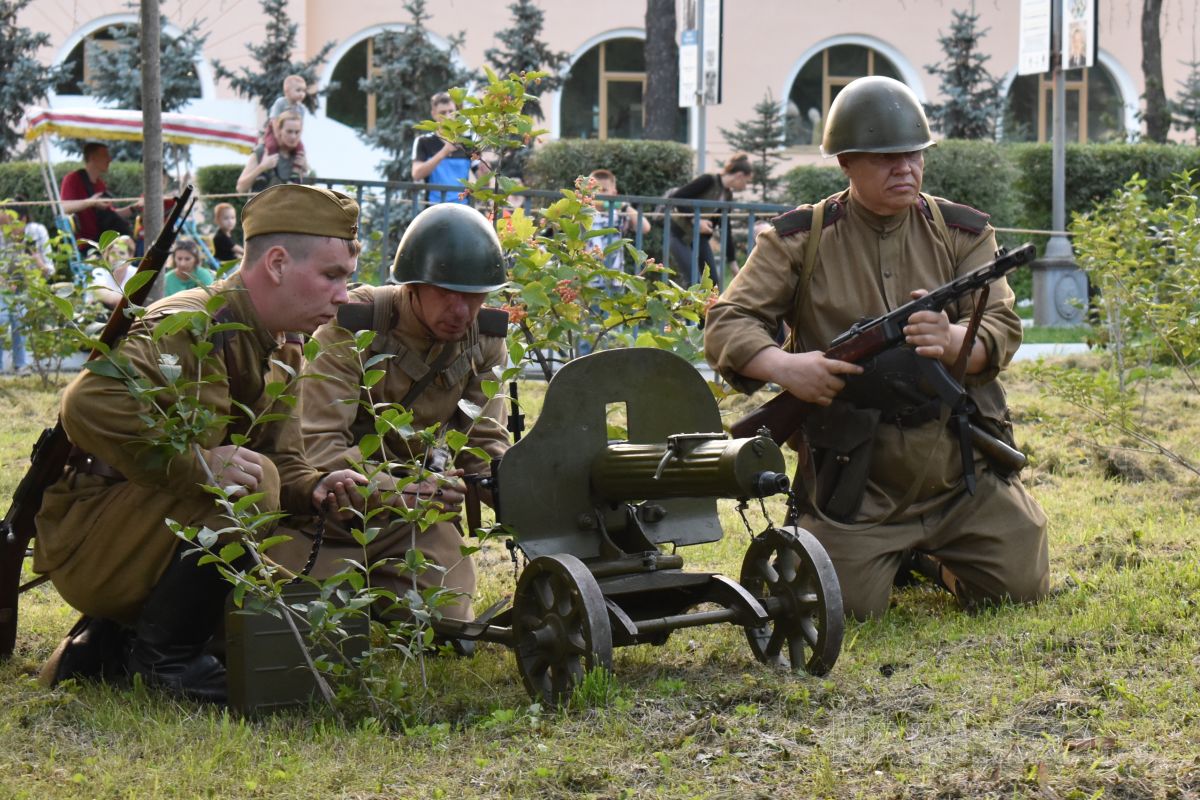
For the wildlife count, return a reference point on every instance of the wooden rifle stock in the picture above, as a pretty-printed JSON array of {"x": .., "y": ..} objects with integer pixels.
[{"x": 50, "y": 453}]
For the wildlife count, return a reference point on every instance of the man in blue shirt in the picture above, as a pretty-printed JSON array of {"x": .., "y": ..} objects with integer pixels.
[{"x": 439, "y": 162}]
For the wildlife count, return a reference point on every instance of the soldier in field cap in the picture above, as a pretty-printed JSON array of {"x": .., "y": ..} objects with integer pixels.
[{"x": 148, "y": 608}]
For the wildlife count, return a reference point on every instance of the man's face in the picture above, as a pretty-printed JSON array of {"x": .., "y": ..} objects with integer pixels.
[
  {"x": 886, "y": 183},
  {"x": 447, "y": 314},
  {"x": 99, "y": 160},
  {"x": 443, "y": 110},
  {"x": 295, "y": 91},
  {"x": 313, "y": 286}
]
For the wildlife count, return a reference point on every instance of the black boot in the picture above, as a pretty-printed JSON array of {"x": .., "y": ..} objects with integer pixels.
[
  {"x": 179, "y": 617},
  {"x": 94, "y": 648}
]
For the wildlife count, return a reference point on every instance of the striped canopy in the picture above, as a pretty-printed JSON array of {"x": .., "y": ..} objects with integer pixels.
[{"x": 105, "y": 123}]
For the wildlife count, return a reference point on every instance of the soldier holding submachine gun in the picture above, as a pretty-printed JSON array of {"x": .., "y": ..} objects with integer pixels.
[{"x": 912, "y": 462}]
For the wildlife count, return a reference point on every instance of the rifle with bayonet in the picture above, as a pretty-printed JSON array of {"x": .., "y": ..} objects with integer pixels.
[
  {"x": 784, "y": 414},
  {"x": 52, "y": 449}
]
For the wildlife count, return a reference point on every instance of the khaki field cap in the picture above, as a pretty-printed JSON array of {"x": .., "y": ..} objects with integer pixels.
[
  {"x": 296, "y": 208},
  {"x": 875, "y": 115}
]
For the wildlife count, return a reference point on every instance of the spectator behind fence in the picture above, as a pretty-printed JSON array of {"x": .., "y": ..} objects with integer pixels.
[
  {"x": 295, "y": 90},
  {"x": 436, "y": 161},
  {"x": 84, "y": 194},
  {"x": 734, "y": 177},
  {"x": 224, "y": 247},
  {"x": 288, "y": 165},
  {"x": 24, "y": 244},
  {"x": 612, "y": 214},
  {"x": 108, "y": 282},
  {"x": 186, "y": 272}
]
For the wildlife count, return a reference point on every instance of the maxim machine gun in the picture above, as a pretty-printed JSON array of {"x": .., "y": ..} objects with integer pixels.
[{"x": 601, "y": 520}]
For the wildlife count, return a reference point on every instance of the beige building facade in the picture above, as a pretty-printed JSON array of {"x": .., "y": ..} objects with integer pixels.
[{"x": 800, "y": 53}]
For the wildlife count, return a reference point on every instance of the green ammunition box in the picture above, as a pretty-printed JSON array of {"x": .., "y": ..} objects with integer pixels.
[{"x": 265, "y": 666}]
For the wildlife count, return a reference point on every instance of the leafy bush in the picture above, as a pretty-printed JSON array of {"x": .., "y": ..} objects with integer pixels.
[
  {"x": 1094, "y": 173},
  {"x": 642, "y": 167},
  {"x": 979, "y": 174},
  {"x": 220, "y": 179},
  {"x": 809, "y": 184}
]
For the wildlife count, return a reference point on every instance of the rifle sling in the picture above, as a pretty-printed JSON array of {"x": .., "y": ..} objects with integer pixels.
[{"x": 85, "y": 463}]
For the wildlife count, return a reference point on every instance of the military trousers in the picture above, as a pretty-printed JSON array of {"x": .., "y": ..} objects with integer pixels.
[
  {"x": 106, "y": 543},
  {"x": 439, "y": 544},
  {"x": 994, "y": 542}
]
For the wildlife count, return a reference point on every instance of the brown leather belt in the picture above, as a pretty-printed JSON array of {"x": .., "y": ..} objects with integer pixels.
[{"x": 87, "y": 464}]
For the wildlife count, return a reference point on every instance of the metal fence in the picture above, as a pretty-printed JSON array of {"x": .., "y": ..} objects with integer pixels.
[{"x": 387, "y": 207}]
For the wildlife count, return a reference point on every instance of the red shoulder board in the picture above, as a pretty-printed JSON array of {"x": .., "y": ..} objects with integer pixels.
[
  {"x": 800, "y": 219},
  {"x": 957, "y": 215}
]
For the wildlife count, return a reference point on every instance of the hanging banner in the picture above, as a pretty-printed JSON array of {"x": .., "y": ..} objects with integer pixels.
[
  {"x": 712, "y": 36},
  {"x": 1033, "y": 56},
  {"x": 700, "y": 52},
  {"x": 1078, "y": 33}
]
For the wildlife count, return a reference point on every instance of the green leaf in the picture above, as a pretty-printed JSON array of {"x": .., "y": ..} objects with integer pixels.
[
  {"x": 455, "y": 440},
  {"x": 372, "y": 377},
  {"x": 369, "y": 445},
  {"x": 136, "y": 282},
  {"x": 102, "y": 366},
  {"x": 245, "y": 502},
  {"x": 232, "y": 552}
]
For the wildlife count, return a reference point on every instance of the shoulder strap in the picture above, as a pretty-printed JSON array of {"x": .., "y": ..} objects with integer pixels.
[{"x": 806, "y": 269}]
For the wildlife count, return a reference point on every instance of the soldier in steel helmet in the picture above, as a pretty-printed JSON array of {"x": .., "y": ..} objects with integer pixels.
[
  {"x": 440, "y": 345},
  {"x": 102, "y": 537},
  {"x": 889, "y": 492}
]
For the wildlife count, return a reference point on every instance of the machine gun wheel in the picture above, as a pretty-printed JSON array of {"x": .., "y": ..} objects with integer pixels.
[
  {"x": 560, "y": 626},
  {"x": 792, "y": 575}
]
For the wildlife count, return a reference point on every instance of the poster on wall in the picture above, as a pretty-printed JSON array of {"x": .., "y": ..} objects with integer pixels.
[
  {"x": 700, "y": 52},
  {"x": 1034, "y": 54},
  {"x": 1078, "y": 33}
]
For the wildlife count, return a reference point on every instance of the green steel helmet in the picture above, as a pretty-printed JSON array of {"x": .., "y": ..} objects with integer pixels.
[
  {"x": 875, "y": 115},
  {"x": 452, "y": 246}
]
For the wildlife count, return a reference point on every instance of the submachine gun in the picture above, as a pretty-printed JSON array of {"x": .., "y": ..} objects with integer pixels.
[
  {"x": 785, "y": 414},
  {"x": 600, "y": 520},
  {"x": 52, "y": 448}
]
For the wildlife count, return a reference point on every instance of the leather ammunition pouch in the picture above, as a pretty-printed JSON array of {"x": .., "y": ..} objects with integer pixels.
[{"x": 842, "y": 438}]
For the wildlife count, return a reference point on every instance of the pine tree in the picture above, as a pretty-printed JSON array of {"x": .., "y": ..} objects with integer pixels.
[
  {"x": 25, "y": 79},
  {"x": 761, "y": 138},
  {"x": 116, "y": 75},
  {"x": 272, "y": 61},
  {"x": 523, "y": 51},
  {"x": 408, "y": 70},
  {"x": 973, "y": 100},
  {"x": 1185, "y": 108}
]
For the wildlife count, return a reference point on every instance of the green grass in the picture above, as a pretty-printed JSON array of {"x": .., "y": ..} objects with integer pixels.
[
  {"x": 1092, "y": 693},
  {"x": 1043, "y": 334}
]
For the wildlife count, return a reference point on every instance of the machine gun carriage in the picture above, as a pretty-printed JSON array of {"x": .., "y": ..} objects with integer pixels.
[{"x": 601, "y": 522}]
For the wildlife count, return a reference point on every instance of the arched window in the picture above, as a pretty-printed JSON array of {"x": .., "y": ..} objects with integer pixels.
[
  {"x": 1095, "y": 110},
  {"x": 820, "y": 80},
  {"x": 348, "y": 104},
  {"x": 602, "y": 97},
  {"x": 80, "y": 59}
]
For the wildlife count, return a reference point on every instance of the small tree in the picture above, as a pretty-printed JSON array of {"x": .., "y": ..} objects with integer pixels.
[
  {"x": 1185, "y": 108},
  {"x": 407, "y": 71},
  {"x": 25, "y": 79},
  {"x": 523, "y": 51},
  {"x": 972, "y": 95},
  {"x": 761, "y": 137},
  {"x": 116, "y": 75},
  {"x": 272, "y": 61}
]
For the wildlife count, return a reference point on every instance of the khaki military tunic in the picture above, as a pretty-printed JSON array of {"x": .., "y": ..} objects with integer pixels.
[
  {"x": 867, "y": 265},
  {"x": 334, "y": 423},
  {"x": 103, "y": 540}
]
